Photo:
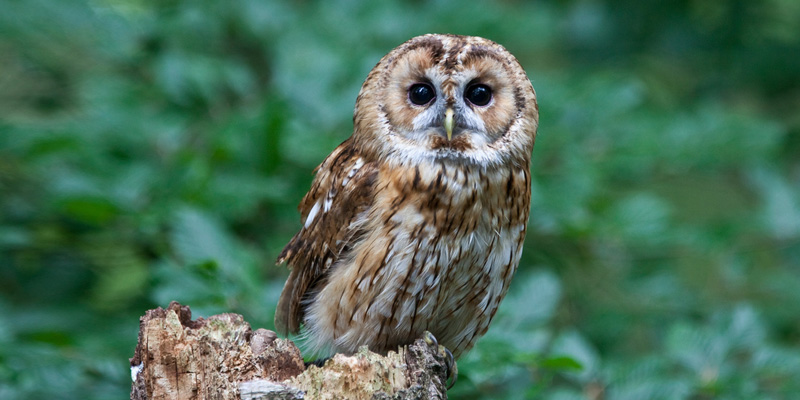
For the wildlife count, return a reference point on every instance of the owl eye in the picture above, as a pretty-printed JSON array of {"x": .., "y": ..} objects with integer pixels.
[
  {"x": 421, "y": 93},
  {"x": 478, "y": 94}
]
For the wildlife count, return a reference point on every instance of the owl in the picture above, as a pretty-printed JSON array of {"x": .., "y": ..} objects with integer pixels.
[{"x": 416, "y": 222}]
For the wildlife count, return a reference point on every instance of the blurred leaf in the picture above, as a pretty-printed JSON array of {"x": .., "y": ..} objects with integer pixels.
[
  {"x": 94, "y": 211},
  {"x": 197, "y": 238},
  {"x": 561, "y": 363},
  {"x": 570, "y": 345}
]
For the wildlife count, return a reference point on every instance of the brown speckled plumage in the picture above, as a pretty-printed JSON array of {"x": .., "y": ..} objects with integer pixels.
[{"x": 404, "y": 230}]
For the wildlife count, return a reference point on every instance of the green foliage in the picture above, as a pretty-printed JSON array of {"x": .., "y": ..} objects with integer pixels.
[{"x": 156, "y": 151}]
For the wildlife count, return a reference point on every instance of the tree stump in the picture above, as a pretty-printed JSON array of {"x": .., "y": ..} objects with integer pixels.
[{"x": 222, "y": 358}]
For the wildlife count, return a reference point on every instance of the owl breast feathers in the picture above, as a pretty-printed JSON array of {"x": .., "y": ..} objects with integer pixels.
[{"x": 416, "y": 222}]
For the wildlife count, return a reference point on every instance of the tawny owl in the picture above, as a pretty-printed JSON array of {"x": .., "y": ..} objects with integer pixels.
[{"x": 416, "y": 222}]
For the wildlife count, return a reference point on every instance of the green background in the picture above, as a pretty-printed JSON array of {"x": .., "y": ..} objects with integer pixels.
[{"x": 156, "y": 150}]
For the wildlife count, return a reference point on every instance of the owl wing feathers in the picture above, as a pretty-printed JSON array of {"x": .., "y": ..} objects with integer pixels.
[{"x": 341, "y": 192}]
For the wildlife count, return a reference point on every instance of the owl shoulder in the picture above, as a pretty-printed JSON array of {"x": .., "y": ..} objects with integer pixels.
[{"x": 342, "y": 189}]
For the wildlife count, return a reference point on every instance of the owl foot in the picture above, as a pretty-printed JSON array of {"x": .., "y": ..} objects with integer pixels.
[{"x": 449, "y": 360}]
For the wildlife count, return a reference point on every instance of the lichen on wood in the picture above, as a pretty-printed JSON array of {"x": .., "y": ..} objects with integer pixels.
[{"x": 221, "y": 357}]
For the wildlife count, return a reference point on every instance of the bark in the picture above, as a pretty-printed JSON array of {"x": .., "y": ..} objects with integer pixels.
[{"x": 222, "y": 358}]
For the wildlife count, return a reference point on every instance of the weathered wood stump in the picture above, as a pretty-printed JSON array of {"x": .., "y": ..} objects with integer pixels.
[{"x": 221, "y": 357}]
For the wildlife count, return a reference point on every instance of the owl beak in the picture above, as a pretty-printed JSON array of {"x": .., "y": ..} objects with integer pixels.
[{"x": 448, "y": 123}]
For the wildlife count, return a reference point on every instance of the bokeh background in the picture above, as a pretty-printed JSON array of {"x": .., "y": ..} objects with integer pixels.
[{"x": 155, "y": 150}]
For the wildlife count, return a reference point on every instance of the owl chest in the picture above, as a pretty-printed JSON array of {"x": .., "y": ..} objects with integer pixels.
[
  {"x": 455, "y": 202},
  {"x": 456, "y": 238},
  {"x": 438, "y": 251},
  {"x": 458, "y": 225}
]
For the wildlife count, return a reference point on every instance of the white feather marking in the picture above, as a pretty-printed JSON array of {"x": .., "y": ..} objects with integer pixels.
[
  {"x": 311, "y": 215},
  {"x": 356, "y": 166}
]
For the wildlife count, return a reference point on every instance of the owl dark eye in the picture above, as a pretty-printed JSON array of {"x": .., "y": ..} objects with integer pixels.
[
  {"x": 478, "y": 94},
  {"x": 421, "y": 93}
]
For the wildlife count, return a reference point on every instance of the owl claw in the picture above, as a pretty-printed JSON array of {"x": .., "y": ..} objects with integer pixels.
[
  {"x": 449, "y": 359},
  {"x": 430, "y": 339},
  {"x": 452, "y": 368}
]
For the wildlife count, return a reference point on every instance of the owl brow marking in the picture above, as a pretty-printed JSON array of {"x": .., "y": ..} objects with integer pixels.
[
  {"x": 451, "y": 59},
  {"x": 477, "y": 52},
  {"x": 433, "y": 44}
]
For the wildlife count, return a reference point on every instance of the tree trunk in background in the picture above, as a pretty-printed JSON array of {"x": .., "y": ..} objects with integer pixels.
[{"x": 222, "y": 358}]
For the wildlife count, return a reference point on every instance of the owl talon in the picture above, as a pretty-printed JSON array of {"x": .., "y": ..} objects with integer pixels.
[
  {"x": 452, "y": 368},
  {"x": 430, "y": 339},
  {"x": 449, "y": 359}
]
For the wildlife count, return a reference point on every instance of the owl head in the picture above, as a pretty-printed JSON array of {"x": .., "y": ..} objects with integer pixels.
[{"x": 447, "y": 98}]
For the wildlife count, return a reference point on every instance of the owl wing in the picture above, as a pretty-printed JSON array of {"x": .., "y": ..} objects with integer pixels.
[{"x": 342, "y": 191}]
